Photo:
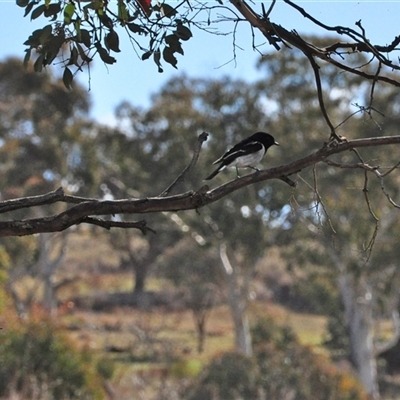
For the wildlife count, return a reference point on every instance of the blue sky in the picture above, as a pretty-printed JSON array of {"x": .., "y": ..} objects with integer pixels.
[{"x": 206, "y": 55}]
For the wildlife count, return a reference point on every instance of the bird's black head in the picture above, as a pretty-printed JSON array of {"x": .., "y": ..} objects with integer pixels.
[{"x": 265, "y": 138}]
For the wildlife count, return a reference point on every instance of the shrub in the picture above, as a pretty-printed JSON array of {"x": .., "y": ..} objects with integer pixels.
[
  {"x": 280, "y": 369},
  {"x": 38, "y": 362},
  {"x": 299, "y": 374},
  {"x": 231, "y": 376}
]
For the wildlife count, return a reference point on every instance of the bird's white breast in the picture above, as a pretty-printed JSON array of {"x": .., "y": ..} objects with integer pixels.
[{"x": 248, "y": 160}]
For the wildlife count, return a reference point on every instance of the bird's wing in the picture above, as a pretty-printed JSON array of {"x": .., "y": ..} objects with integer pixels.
[
  {"x": 217, "y": 171},
  {"x": 241, "y": 149},
  {"x": 236, "y": 148}
]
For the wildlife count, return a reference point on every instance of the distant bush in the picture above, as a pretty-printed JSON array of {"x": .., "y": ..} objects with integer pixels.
[
  {"x": 299, "y": 374},
  {"x": 231, "y": 376},
  {"x": 337, "y": 337},
  {"x": 281, "y": 369},
  {"x": 266, "y": 330},
  {"x": 317, "y": 294},
  {"x": 38, "y": 362}
]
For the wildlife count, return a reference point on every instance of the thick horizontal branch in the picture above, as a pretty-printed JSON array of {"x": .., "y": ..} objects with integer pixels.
[
  {"x": 34, "y": 201},
  {"x": 300, "y": 164},
  {"x": 85, "y": 209}
]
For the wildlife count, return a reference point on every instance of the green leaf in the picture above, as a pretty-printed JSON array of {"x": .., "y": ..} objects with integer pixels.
[
  {"x": 50, "y": 56},
  {"x": 27, "y": 57},
  {"x": 45, "y": 34},
  {"x": 105, "y": 19},
  {"x": 38, "y": 65},
  {"x": 34, "y": 39},
  {"x": 112, "y": 41},
  {"x": 173, "y": 42},
  {"x": 168, "y": 11},
  {"x": 22, "y": 3},
  {"x": 84, "y": 37},
  {"x": 82, "y": 54},
  {"x": 38, "y": 11},
  {"x": 157, "y": 60},
  {"x": 183, "y": 32},
  {"x": 52, "y": 9},
  {"x": 169, "y": 57},
  {"x": 94, "y": 5},
  {"x": 135, "y": 28},
  {"x": 29, "y": 7},
  {"x": 68, "y": 78},
  {"x": 147, "y": 55},
  {"x": 123, "y": 14},
  {"x": 69, "y": 11},
  {"x": 73, "y": 59},
  {"x": 105, "y": 57}
]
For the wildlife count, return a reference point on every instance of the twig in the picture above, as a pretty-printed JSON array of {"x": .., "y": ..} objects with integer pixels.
[
  {"x": 292, "y": 38},
  {"x": 108, "y": 224},
  {"x": 318, "y": 201},
  {"x": 201, "y": 139},
  {"x": 374, "y": 169},
  {"x": 371, "y": 243},
  {"x": 315, "y": 68}
]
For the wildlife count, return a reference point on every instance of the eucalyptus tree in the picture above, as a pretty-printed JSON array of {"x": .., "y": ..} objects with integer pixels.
[
  {"x": 157, "y": 137},
  {"x": 42, "y": 146},
  {"x": 347, "y": 206}
]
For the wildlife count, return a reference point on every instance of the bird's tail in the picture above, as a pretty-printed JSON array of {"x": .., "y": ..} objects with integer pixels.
[{"x": 217, "y": 171}]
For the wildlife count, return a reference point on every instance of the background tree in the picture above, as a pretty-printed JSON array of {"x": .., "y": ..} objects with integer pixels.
[
  {"x": 158, "y": 136},
  {"x": 193, "y": 268},
  {"x": 280, "y": 369},
  {"x": 43, "y": 146},
  {"x": 187, "y": 105},
  {"x": 338, "y": 219},
  {"x": 86, "y": 31}
]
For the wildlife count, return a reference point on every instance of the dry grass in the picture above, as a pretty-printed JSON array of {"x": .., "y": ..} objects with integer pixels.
[{"x": 156, "y": 344}]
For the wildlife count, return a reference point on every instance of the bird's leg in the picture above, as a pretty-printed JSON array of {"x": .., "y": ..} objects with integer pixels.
[
  {"x": 237, "y": 172},
  {"x": 255, "y": 169}
]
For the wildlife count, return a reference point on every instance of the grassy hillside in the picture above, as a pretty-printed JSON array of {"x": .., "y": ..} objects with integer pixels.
[{"x": 154, "y": 351}]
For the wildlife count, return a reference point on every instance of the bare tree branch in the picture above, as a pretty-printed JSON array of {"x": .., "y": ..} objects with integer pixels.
[
  {"x": 359, "y": 43},
  {"x": 201, "y": 139},
  {"x": 374, "y": 169},
  {"x": 315, "y": 68},
  {"x": 108, "y": 224},
  {"x": 84, "y": 209},
  {"x": 382, "y": 347}
]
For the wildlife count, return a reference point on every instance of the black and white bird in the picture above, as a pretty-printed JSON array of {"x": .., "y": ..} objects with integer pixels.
[{"x": 246, "y": 154}]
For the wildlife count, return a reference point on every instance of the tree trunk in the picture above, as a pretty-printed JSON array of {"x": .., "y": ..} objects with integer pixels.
[
  {"x": 357, "y": 299},
  {"x": 140, "y": 274},
  {"x": 238, "y": 303},
  {"x": 201, "y": 332},
  {"x": 47, "y": 266},
  {"x": 142, "y": 266}
]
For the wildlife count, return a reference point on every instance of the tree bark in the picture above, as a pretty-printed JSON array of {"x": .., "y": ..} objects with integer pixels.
[
  {"x": 238, "y": 304},
  {"x": 357, "y": 299},
  {"x": 47, "y": 268}
]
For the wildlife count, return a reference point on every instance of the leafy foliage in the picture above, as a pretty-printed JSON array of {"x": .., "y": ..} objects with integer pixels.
[
  {"x": 281, "y": 368},
  {"x": 36, "y": 361},
  {"x": 77, "y": 34},
  {"x": 42, "y": 125}
]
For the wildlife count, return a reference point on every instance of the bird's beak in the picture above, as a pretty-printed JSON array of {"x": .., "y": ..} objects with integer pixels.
[{"x": 276, "y": 143}]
